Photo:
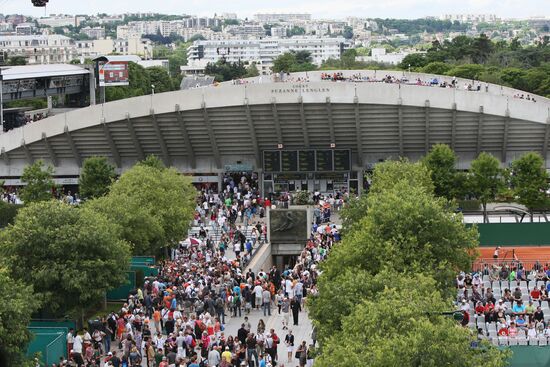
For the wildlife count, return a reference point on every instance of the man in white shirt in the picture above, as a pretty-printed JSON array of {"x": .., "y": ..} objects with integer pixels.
[
  {"x": 258, "y": 290},
  {"x": 77, "y": 350}
]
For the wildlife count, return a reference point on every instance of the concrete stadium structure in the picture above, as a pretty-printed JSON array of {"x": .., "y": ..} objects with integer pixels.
[{"x": 215, "y": 129}]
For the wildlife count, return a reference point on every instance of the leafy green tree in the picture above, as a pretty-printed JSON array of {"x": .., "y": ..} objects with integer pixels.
[
  {"x": 436, "y": 67},
  {"x": 160, "y": 78},
  {"x": 295, "y": 31},
  {"x": 152, "y": 207},
  {"x": 414, "y": 60},
  {"x": 405, "y": 316},
  {"x": 17, "y": 60},
  {"x": 293, "y": 62},
  {"x": 529, "y": 181},
  {"x": 405, "y": 227},
  {"x": 252, "y": 70},
  {"x": 16, "y": 307},
  {"x": 39, "y": 182},
  {"x": 140, "y": 84},
  {"x": 485, "y": 179},
  {"x": 467, "y": 71},
  {"x": 441, "y": 161},
  {"x": 224, "y": 71},
  {"x": 71, "y": 255},
  {"x": 96, "y": 176},
  {"x": 348, "y": 32}
]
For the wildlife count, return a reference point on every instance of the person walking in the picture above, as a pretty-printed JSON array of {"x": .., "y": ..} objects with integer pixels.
[
  {"x": 289, "y": 342},
  {"x": 266, "y": 302},
  {"x": 301, "y": 353},
  {"x": 296, "y": 308}
]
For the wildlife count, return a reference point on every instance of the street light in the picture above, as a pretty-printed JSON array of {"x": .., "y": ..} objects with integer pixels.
[
  {"x": 1, "y": 99},
  {"x": 152, "y": 94}
]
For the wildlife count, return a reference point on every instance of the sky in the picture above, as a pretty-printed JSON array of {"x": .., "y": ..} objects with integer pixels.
[{"x": 318, "y": 8}]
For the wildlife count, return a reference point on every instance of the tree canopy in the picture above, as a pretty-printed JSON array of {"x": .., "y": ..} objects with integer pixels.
[
  {"x": 71, "y": 255},
  {"x": 96, "y": 176},
  {"x": 152, "y": 206},
  {"x": 17, "y": 304},
  {"x": 485, "y": 179},
  {"x": 383, "y": 288},
  {"x": 290, "y": 62},
  {"x": 441, "y": 161},
  {"x": 39, "y": 182},
  {"x": 529, "y": 181}
]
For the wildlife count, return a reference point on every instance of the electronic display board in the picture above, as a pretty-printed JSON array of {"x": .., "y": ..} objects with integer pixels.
[
  {"x": 342, "y": 160},
  {"x": 289, "y": 161},
  {"x": 323, "y": 160},
  {"x": 272, "y": 161},
  {"x": 306, "y": 160}
]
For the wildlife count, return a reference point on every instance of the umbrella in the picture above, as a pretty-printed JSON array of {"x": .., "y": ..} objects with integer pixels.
[{"x": 192, "y": 241}]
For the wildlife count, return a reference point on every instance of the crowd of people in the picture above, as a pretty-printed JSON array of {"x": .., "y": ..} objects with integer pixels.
[
  {"x": 178, "y": 317},
  {"x": 507, "y": 301}
]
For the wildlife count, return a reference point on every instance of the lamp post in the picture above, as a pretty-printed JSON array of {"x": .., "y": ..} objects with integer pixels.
[
  {"x": 1, "y": 99},
  {"x": 152, "y": 94}
]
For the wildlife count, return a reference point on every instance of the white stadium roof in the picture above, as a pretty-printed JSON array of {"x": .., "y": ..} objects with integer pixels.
[{"x": 41, "y": 71}]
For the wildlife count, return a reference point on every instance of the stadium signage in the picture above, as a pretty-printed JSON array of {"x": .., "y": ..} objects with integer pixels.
[{"x": 300, "y": 88}]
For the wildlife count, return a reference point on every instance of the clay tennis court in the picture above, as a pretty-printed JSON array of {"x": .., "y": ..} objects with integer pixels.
[{"x": 540, "y": 253}]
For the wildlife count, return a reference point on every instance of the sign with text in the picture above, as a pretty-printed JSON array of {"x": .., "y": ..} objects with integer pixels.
[
  {"x": 113, "y": 74},
  {"x": 314, "y": 160}
]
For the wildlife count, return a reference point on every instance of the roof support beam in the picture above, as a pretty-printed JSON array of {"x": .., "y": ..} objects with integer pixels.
[
  {"x": 427, "y": 126},
  {"x": 30, "y": 159},
  {"x": 111, "y": 142},
  {"x": 160, "y": 138},
  {"x": 303, "y": 121},
  {"x": 505, "y": 136},
  {"x": 186, "y": 140},
  {"x": 72, "y": 145},
  {"x": 400, "y": 127},
  {"x": 50, "y": 150},
  {"x": 5, "y": 156},
  {"x": 330, "y": 121},
  {"x": 135, "y": 140},
  {"x": 479, "y": 130},
  {"x": 253, "y": 137},
  {"x": 546, "y": 137},
  {"x": 210, "y": 130},
  {"x": 358, "y": 132},
  {"x": 277, "y": 122},
  {"x": 453, "y": 126}
]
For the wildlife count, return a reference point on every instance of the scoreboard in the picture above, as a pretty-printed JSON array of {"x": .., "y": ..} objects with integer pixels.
[{"x": 314, "y": 160}]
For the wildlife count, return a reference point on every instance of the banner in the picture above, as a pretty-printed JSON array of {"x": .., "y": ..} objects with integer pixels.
[{"x": 113, "y": 74}]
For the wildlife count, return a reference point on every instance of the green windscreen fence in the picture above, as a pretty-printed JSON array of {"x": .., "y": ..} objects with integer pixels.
[
  {"x": 49, "y": 342},
  {"x": 530, "y": 356},
  {"x": 514, "y": 234},
  {"x": 143, "y": 260},
  {"x": 122, "y": 291}
]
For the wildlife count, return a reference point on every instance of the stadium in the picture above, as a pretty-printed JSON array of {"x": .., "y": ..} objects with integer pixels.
[{"x": 306, "y": 131}]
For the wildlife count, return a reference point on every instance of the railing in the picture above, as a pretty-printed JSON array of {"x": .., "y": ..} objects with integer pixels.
[{"x": 526, "y": 263}]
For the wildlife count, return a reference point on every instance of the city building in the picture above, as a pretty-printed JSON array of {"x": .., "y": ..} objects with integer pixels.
[
  {"x": 264, "y": 51},
  {"x": 40, "y": 49},
  {"x": 281, "y": 17},
  {"x": 245, "y": 30},
  {"x": 129, "y": 46},
  {"x": 471, "y": 18},
  {"x": 59, "y": 21},
  {"x": 382, "y": 56},
  {"x": 24, "y": 29},
  {"x": 93, "y": 33}
]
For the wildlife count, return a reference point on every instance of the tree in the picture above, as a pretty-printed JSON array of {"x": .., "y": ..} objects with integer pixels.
[
  {"x": 436, "y": 67},
  {"x": 379, "y": 325},
  {"x": 140, "y": 84},
  {"x": 529, "y": 181},
  {"x": 17, "y": 60},
  {"x": 16, "y": 307},
  {"x": 151, "y": 205},
  {"x": 485, "y": 179},
  {"x": 71, "y": 255},
  {"x": 441, "y": 161},
  {"x": 348, "y": 32},
  {"x": 39, "y": 182},
  {"x": 95, "y": 178},
  {"x": 252, "y": 70},
  {"x": 160, "y": 78},
  {"x": 224, "y": 71},
  {"x": 414, "y": 61},
  {"x": 293, "y": 62},
  {"x": 406, "y": 227},
  {"x": 295, "y": 31}
]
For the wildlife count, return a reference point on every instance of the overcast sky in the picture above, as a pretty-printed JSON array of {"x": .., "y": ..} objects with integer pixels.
[{"x": 319, "y": 8}]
